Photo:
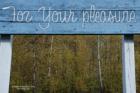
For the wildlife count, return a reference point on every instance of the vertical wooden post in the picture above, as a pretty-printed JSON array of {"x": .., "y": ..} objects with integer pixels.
[
  {"x": 5, "y": 62},
  {"x": 129, "y": 82}
]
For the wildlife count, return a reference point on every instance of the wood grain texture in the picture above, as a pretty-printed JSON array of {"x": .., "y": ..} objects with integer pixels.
[
  {"x": 128, "y": 60},
  {"x": 5, "y": 62},
  {"x": 8, "y": 26}
]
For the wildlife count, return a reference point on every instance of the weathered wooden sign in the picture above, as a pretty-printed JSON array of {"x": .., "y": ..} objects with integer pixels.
[{"x": 69, "y": 17}]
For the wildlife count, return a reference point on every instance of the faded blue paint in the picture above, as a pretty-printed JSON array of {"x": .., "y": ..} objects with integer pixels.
[{"x": 9, "y": 27}]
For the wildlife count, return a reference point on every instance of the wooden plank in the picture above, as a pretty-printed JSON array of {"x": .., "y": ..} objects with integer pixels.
[
  {"x": 70, "y": 28},
  {"x": 79, "y": 16},
  {"x": 66, "y": 4},
  {"x": 5, "y": 62},
  {"x": 129, "y": 81}
]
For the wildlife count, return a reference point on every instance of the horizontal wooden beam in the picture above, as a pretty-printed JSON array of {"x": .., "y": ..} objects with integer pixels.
[{"x": 70, "y": 17}]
